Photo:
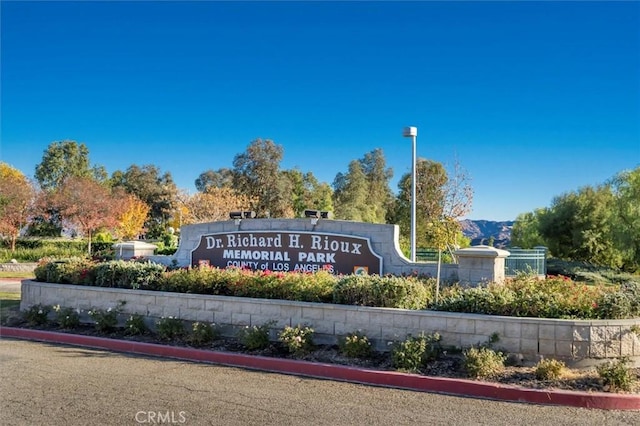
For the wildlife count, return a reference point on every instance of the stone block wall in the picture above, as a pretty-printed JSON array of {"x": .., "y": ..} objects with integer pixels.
[{"x": 573, "y": 341}]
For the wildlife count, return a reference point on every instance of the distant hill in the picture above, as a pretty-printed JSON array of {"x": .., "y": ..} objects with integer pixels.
[{"x": 480, "y": 231}]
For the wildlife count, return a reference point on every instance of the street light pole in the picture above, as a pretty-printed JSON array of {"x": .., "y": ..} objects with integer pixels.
[{"x": 412, "y": 132}]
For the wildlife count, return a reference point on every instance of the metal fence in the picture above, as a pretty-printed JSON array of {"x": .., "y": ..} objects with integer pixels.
[{"x": 526, "y": 261}]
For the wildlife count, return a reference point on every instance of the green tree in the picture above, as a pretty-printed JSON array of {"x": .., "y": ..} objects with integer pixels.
[
  {"x": 350, "y": 193},
  {"x": 579, "y": 226},
  {"x": 431, "y": 181},
  {"x": 66, "y": 159},
  {"x": 525, "y": 232},
  {"x": 257, "y": 175},
  {"x": 378, "y": 175},
  {"x": 308, "y": 193},
  {"x": 155, "y": 189},
  {"x": 221, "y": 178},
  {"x": 626, "y": 232},
  {"x": 363, "y": 193}
]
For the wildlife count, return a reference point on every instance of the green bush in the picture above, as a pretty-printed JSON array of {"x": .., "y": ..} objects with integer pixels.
[
  {"x": 37, "y": 314},
  {"x": 128, "y": 274},
  {"x": 483, "y": 362},
  {"x": 106, "y": 320},
  {"x": 198, "y": 280},
  {"x": 298, "y": 340},
  {"x": 549, "y": 369},
  {"x": 170, "y": 328},
  {"x": 202, "y": 333},
  {"x": 413, "y": 353},
  {"x": 256, "y": 337},
  {"x": 382, "y": 291},
  {"x": 67, "y": 318},
  {"x": 355, "y": 345},
  {"x": 616, "y": 375},
  {"x": 74, "y": 270},
  {"x": 135, "y": 325}
]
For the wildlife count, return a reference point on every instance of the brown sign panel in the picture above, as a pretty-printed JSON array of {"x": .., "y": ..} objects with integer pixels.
[{"x": 288, "y": 251}]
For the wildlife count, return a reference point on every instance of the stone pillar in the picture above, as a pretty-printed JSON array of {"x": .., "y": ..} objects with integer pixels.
[
  {"x": 128, "y": 249},
  {"x": 480, "y": 264}
]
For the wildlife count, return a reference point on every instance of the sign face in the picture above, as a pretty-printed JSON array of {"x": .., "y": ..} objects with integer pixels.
[{"x": 288, "y": 251}]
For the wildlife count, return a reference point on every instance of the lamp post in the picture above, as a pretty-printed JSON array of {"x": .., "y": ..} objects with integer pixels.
[{"x": 412, "y": 132}]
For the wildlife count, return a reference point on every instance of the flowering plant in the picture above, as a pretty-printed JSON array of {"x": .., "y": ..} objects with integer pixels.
[{"x": 298, "y": 339}]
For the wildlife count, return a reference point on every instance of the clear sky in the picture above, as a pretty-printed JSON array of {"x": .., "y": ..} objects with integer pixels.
[{"x": 533, "y": 99}]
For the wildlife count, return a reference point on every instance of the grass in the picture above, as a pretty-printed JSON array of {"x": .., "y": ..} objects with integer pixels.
[
  {"x": 13, "y": 274},
  {"x": 9, "y": 304}
]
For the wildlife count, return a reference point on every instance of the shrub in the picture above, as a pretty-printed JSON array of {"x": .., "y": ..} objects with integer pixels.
[
  {"x": 74, "y": 270},
  {"x": 126, "y": 274},
  {"x": 413, "y": 353},
  {"x": 199, "y": 280},
  {"x": 106, "y": 320},
  {"x": 37, "y": 314},
  {"x": 298, "y": 340},
  {"x": 169, "y": 328},
  {"x": 202, "y": 333},
  {"x": 135, "y": 325},
  {"x": 483, "y": 362},
  {"x": 616, "y": 375},
  {"x": 549, "y": 369},
  {"x": 386, "y": 292},
  {"x": 255, "y": 337},
  {"x": 355, "y": 345},
  {"x": 67, "y": 317}
]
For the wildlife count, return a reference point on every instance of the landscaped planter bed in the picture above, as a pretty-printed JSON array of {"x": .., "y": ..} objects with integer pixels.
[{"x": 577, "y": 342}]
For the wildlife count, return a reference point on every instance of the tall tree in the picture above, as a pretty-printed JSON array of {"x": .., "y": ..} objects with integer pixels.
[
  {"x": 378, "y": 175},
  {"x": 221, "y": 178},
  {"x": 441, "y": 201},
  {"x": 16, "y": 202},
  {"x": 350, "y": 193},
  {"x": 363, "y": 193},
  {"x": 257, "y": 175},
  {"x": 578, "y": 226},
  {"x": 431, "y": 181},
  {"x": 626, "y": 186},
  {"x": 65, "y": 159},
  {"x": 525, "y": 232},
  {"x": 154, "y": 188},
  {"x": 308, "y": 193},
  {"x": 213, "y": 205},
  {"x": 132, "y": 215},
  {"x": 85, "y": 205}
]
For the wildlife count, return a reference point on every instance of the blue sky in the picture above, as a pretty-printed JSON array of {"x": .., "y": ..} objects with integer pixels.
[{"x": 533, "y": 99}]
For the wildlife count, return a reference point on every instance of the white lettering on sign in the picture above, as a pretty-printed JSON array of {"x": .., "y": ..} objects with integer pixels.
[
  {"x": 256, "y": 255},
  {"x": 317, "y": 257},
  {"x": 251, "y": 240},
  {"x": 325, "y": 243}
]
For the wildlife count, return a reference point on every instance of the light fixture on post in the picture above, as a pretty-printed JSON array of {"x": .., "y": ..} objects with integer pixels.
[
  {"x": 313, "y": 214},
  {"x": 412, "y": 132},
  {"x": 237, "y": 216}
]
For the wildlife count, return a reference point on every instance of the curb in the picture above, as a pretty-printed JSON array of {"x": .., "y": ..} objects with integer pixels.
[{"x": 394, "y": 379}]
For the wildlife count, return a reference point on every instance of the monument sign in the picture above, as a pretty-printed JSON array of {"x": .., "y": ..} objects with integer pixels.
[{"x": 288, "y": 251}]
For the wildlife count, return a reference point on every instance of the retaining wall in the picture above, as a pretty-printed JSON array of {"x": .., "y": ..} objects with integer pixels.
[
  {"x": 18, "y": 267},
  {"x": 576, "y": 342}
]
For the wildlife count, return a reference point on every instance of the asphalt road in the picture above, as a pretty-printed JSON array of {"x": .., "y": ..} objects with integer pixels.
[{"x": 44, "y": 384}]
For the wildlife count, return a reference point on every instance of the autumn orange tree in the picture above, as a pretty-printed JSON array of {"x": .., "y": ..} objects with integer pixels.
[
  {"x": 85, "y": 204},
  {"x": 212, "y": 205},
  {"x": 132, "y": 214},
  {"x": 16, "y": 202}
]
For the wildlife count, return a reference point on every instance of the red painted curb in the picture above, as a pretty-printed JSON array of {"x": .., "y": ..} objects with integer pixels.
[{"x": 460, "y": 387}]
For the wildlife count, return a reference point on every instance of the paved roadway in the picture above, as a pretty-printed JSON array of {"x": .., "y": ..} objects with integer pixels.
[{"x": 44, "y": 384}]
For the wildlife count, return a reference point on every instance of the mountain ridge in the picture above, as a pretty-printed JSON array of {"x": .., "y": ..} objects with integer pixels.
[{"x": 485, "y": 232}]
